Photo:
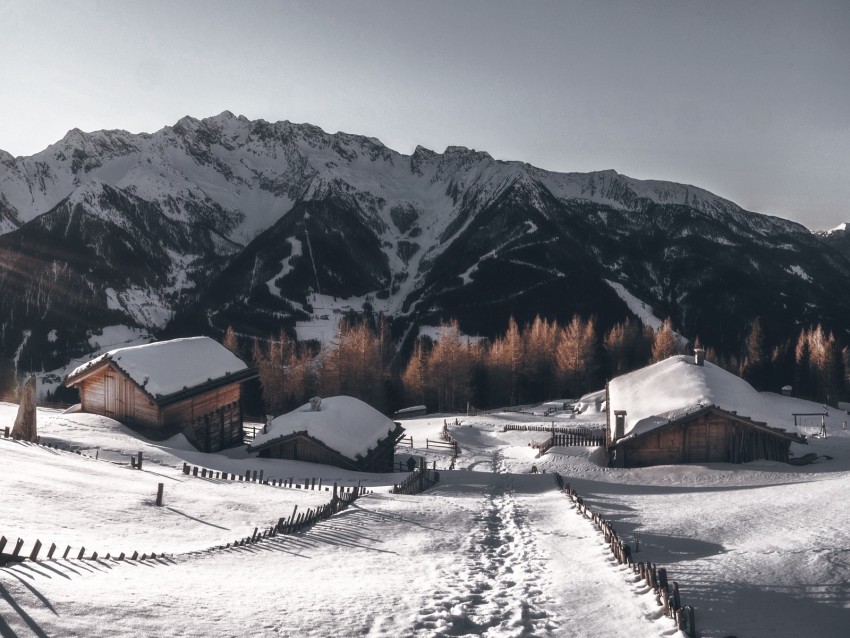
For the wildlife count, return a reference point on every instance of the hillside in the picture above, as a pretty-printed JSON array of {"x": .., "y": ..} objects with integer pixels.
[
  {"x": 226, "y": 221},
  {"x": 491, "y": 550}
]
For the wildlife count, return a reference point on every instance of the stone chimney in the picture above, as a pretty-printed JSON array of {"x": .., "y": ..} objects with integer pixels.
[
  {"x": 619, "y": 424},
  {"x": 699, "y": 356}
]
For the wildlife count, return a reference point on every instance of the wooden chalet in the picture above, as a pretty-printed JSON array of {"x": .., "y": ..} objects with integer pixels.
[
  {"x": 706, "y": 435},
  {"x": 670, "y": 413},
  {"x": 340, "y": 431},
  {"x": 160, "y": 389}
]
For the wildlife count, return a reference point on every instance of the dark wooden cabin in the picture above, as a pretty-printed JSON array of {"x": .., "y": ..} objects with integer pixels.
[
  {"x": 340, "y": 431},
  {"x": 707, "y": 435},
  {"x": 669, "y": 413},
  {"x": 192, "y": 386}
]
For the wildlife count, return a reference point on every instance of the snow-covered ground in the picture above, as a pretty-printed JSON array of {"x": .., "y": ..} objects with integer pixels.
[{"x": 759, "y": 549}]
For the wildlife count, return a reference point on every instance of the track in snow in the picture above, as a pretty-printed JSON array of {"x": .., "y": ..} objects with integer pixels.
[{"x": 497, "y": 584}]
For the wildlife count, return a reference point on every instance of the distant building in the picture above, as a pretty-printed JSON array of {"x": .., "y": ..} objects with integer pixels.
[
  {"x": 412, "y": 411},
  {"x": 686, "y": 410},
  {"x": 341, "y": 431},
  {"x": 159, "y": 389}
]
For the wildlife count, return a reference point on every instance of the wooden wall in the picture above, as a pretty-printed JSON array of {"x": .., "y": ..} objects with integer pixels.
[
  {"x": 707, "y": 438},
  {"x": 112, "y": 394},
  {"x": 212, "y": 420},
  {"x": 303, "y": 449}
]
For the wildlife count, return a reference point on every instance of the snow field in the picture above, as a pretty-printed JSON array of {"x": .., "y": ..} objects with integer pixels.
[
  {"x": 111, "y": 508},
  {"x": 759, "y": 549}
]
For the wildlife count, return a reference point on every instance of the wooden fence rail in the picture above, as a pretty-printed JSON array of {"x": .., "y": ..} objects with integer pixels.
[
  {"x": 448, "y": 438},
  {"x": 418, "y": 481},
  {"x": 555, "y": 429},
  {"x": 666, "y": 592},
  {"x": 257, "y": 477},
  {"x": 15, "y": 556}
]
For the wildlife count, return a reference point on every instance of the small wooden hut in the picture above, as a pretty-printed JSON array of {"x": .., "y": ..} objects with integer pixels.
[
  {"x": 687, "y": 411},
  {"x": 159, "y": 389},
  {"x": 707, "y": 435},
  {"x": 340, "y": 431}
]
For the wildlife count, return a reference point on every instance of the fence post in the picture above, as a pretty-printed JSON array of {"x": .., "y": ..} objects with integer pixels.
[
  {"x": 65, "y": 555},
  {"x": 185, "y": 468},
  {"x": 50, "y": 551},
  {"x": 82, "y": 553},
  {"x": 35, "y": 550},
  {"x": 139, "y": 461},
  {"x": 159, "y": 489}
]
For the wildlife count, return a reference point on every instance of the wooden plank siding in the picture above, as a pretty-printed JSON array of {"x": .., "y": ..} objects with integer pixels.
[
  {"x": 303, "y": 449},
  {"x": 300, "y": 446},
  {"x": 710, "y": 437},
  {"x": 211, "y": 420}
]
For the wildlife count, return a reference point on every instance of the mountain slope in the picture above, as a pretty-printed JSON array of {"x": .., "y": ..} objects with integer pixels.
[{"x": 226, "y": 221}]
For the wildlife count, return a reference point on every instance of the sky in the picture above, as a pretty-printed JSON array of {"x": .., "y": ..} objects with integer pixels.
[{"x": 747, "y": 99}]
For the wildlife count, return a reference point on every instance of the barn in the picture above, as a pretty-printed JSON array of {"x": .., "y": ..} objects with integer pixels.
[
  {"x": 687, "y": 410},
  {"x": 159, "y": 389},
  {"x": 341, "y": 431}
]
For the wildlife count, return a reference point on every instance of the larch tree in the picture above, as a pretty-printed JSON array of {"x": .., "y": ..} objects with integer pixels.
[
  {"x": 415, "y": 373},
  {"x": 665, "y": 344},
  {"x": 576, "y": 355},
  {"x": 754, "y": 365}
]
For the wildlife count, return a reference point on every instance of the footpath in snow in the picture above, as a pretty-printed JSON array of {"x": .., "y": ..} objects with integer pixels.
[
  {"x": 759, "y": 549},
  {"x": 483, "y": 553}
]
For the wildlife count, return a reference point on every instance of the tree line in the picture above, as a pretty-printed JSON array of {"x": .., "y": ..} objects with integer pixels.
[{"x": 527, "y": 364}]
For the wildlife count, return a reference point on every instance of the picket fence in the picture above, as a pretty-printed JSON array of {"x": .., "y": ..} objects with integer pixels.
[
  {"x": 418, "y": 481},
  {"x": 257, "y": 477},
  {"x": 573, "y": 439},
  {"x": 556, "y": 429},
  {"x": 666, "y": 592}
]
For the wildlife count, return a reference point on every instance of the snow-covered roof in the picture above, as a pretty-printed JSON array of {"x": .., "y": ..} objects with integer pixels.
[
  {"x": 670, "y": 389},
  {"x": 166, "y": 367},
  {"x": 345, "y": 424}
]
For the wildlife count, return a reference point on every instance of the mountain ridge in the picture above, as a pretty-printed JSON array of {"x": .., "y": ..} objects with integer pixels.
[{"x": 226, "y": 220}]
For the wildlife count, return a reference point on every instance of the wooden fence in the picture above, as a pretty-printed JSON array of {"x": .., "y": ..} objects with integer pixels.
[
  {"x": 666, "y": 592},
  {"x": 555, "y": 429},
  {"x": 257, "y": 476},
  {"x": 418, "y": 481},
  {"x": 450, "y": 440},
  {"x": 586, "y": 439},
  {"x": 16, "y": 556},
  {"x": 298, "y": 522}
]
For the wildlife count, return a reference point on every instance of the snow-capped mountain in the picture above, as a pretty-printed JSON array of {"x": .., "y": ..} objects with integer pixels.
[
  {"x": 230, "y": 221},
  {"x": 838, "y": 238}
]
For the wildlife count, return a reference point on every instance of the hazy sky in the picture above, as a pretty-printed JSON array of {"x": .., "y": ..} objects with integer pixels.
[{"x": 750, "y": 100}]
